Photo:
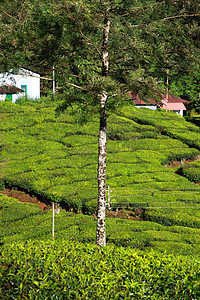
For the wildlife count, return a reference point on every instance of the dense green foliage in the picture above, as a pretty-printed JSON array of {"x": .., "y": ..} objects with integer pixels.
[
  {"x": 147, "y": 38},
  {"x": 25, "y": 221},
  {"x": 54, "y": 157},
  {"x": 66, "y": 270},
  {"x": 192, "y": 171}
]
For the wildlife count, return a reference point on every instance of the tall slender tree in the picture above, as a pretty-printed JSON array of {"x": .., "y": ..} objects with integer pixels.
[
  {"x": 103, "y": 49},
  {"x": 106, "y": 64}
]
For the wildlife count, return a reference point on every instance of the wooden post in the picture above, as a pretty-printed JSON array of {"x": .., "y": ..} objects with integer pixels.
[
  {"x": 53, "y": 221},
  {"x": 109, "y": 207}
]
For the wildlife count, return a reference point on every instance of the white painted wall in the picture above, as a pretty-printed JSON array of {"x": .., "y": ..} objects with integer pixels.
[
  {"x": 24, "y": 77},
  {"x": 2, "y": 97},
  {"x": 179, "y": 112},
  {"x": 153, "y": 107},
  {"x": 31, "y": 80}
]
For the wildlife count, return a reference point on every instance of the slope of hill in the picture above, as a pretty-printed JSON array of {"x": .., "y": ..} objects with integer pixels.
[{"x": 55, "y": 158}]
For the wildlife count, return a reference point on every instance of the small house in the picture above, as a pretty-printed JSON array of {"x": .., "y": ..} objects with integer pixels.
[
  {"x": 24, "y": 83},
  {"x": 174, "y": 103},
  {"x": 151, "y": 104},
  {"x": 6, "y": 92}
]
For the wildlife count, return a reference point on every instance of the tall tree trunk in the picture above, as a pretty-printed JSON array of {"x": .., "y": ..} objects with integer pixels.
[{"x": 101, "y": 212}]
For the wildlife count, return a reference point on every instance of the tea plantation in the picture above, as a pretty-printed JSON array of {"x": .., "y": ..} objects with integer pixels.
[
  {"x": 54, "y": 157},
  {"x": 66, "y": 270}
]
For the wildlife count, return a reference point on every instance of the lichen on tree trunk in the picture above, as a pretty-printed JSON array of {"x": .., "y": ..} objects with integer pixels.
[{"x": 101, "y": 212}]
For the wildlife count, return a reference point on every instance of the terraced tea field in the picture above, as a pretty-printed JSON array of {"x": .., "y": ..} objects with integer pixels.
[{"x": 55, "y": 158}]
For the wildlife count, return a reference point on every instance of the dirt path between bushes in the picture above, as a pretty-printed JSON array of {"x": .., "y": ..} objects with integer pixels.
[
  {"x": 24, "y": 197},
  {"x": 135, "y": 214}
]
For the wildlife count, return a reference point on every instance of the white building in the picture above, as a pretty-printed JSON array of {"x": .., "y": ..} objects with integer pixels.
[{"x": 26, "y": 80}]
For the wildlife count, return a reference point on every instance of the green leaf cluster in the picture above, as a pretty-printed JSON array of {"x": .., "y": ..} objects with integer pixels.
[{"x": 76, "y": 271}]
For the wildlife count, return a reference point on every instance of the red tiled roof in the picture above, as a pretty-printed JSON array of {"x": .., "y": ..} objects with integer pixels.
[
  {"x": 171, "y": 100},
  {"x": 138, "y": 101},
  {"x": 174, "y": 99}
]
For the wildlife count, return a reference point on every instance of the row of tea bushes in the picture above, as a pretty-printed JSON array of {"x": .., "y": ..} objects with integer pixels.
[
  {"x": 67, "y": 270},
  {"x": 124, "y": 129},
  {"x": 161, "y": 144},
  {"x": 25, "y": 221},
  {"x": 192, "y": 171},
  {"x": 173, "y": 126},
  {"x": 56, "y": 158}
]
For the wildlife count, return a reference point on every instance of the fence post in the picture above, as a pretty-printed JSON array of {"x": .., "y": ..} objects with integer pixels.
[
  {"x": 109, "y": 207},
  {"x": 53, "y": 221}
]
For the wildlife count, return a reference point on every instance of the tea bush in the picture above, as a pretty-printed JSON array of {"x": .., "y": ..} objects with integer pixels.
[
  {"x": 66, "y": 270},
  {"x": 25, "y": 221},
  {"x": 192, "y": 171},
  {"x": 55, "y": 157}
]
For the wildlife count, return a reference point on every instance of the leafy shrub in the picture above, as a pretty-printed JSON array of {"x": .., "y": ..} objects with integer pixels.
[
  {"x": 25, "y": 221},
  {"x": 179, "y": 154},
  {"x": 66, "y": 270},
  {"x": 24, "y": 100},
  {"x": 192, "y": 171}
]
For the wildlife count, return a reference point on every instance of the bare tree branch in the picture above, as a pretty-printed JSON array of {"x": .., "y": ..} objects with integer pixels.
[
  {"x": 76, "y": 86},
  {"x": 179, "y": 16},
  {"x": 8, "y": 14},
  {"x": 168, "y": 18}
]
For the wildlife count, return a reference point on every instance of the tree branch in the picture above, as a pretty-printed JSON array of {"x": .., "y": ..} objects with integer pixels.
[
  {"x": 88, "y": 39},
  {"x": 179, "y": 16},
  {"x": 168, "y": 18},
  {"x": 76, "y": 86},
  {"x": 8, "y": 14}
]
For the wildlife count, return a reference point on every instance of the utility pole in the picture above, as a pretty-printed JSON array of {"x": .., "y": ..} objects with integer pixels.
[
  {"x": 167, "y": 90},
  {"x": 54, "y": 81}
]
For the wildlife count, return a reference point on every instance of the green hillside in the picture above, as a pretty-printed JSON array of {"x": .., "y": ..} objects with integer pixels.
[{"x": 55, "y": 158}]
